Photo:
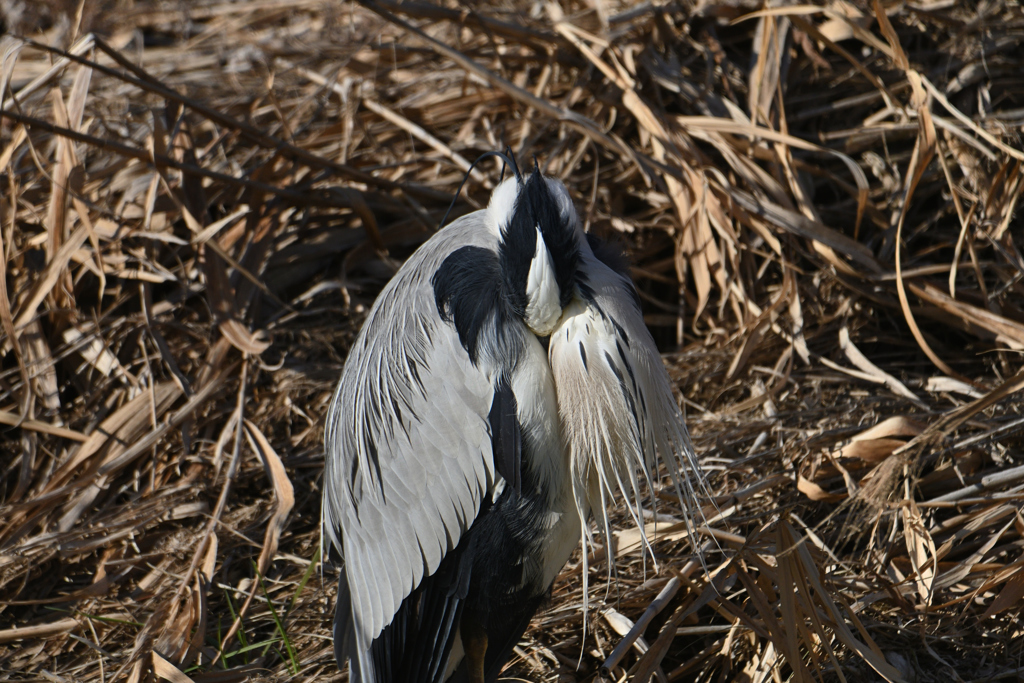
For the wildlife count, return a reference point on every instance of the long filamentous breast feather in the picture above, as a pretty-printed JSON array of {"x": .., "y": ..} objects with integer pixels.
[{"x": 617, "y": 408}]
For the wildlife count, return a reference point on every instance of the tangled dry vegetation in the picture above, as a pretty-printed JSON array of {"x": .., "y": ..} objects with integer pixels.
[{"x": 200, "y": 201}]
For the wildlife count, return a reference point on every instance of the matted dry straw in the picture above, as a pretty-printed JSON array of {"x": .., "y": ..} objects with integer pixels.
[{"x": 200, "y": 201}]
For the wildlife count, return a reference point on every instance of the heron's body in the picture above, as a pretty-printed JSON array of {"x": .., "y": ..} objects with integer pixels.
[{"x": 457, "y": 472}]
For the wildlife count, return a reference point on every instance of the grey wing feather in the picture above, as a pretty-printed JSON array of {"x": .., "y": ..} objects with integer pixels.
[{"x": 408, "y": 446}]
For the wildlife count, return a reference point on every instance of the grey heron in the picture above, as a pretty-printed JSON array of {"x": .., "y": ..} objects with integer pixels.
[{"x": 503, "y": 386}]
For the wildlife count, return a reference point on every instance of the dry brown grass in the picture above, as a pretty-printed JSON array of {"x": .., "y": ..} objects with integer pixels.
[{"x": 199, "y": 201}]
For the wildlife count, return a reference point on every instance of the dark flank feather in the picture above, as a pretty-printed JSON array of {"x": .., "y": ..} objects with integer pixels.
[{"x": 505, "y": 434}]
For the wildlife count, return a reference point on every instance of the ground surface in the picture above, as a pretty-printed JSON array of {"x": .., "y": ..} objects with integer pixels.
[{"x": 199, "y": 202}]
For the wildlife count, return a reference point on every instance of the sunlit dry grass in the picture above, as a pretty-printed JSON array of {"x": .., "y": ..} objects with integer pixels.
[{"x": 199, "y": 202}]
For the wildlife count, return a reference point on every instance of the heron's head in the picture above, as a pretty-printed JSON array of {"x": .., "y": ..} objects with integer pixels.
[{"x": 538, "y": 247}]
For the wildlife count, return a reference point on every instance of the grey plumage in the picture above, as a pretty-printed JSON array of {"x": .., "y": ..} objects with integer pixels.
[
  {"x": 388, "y": 508},
  {"x": 411, "y": 442}
]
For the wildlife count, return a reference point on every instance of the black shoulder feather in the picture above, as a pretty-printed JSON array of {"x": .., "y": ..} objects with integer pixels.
[{"x": 467, "y": 291}]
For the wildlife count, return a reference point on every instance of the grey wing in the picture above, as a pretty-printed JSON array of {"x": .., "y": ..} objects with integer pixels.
[{"x": 408, "y": 448}]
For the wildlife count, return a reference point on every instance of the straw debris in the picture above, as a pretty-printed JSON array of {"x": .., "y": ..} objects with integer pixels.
[{"x": 200, "y": 201}]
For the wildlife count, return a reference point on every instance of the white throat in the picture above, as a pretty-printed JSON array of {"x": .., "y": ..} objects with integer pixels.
[
  {"x": 542, "y": 298},
  {"x": 502, "y": 204}
]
